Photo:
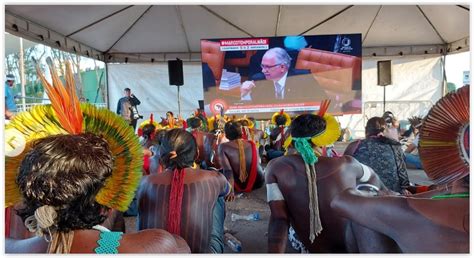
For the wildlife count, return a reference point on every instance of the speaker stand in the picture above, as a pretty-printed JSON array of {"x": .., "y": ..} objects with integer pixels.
[
  {"x": 179, "y": 102},
  {"x": 383, "y": 98}
]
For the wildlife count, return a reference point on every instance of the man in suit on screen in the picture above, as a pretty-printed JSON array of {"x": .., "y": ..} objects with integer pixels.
[{"x": 281, "y": 83}]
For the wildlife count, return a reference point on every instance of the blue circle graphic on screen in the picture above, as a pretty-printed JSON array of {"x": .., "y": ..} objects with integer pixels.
[{"x": 295, "y": 42}]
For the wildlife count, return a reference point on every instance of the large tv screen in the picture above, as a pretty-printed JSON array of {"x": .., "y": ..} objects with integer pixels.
[{"x": 260, "y": 76}]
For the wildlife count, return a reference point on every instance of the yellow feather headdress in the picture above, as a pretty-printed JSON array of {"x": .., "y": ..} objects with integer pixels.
[
  {"x": 212, "y": 120},
  {"x": 65, "y": 115},
  {"x": 147, "y": 122},
  {"x": 329, "y": 135},
  {"x": 276, "y": 114},
  {"x": 250, "y": 123}
]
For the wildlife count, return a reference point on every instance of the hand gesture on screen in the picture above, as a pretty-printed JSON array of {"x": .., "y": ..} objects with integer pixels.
[{"x": 246, "y": 88}]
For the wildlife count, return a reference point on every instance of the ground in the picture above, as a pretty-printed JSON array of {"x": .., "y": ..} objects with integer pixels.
[{"x": 253, "y": 234}]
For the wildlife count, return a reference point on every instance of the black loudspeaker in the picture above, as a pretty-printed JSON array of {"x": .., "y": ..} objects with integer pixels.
[
  {"x": 175, "y": 72},
  {"x": 384, "y": 73},
  {"x": 201, "y": 104}
]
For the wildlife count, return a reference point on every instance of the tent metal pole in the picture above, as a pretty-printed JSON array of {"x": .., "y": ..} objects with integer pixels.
[
  {"x": 22, "y": 75},
  {"x": 443, "y": 81},
  {"x": 431, "y": 24},
  {"x": 226, "y": 21},
  {"x": 181, "y": 23},
  {"x": 129, "y": 28},
  {"x": 98, "y": 21},
  {"x": 462, "y": 7},
  {"x": 327, "y": 19},
  {"x": 107, "y": 101},
  {"x": 371, "y": 24},
  {"x": 278, "y": 20}
]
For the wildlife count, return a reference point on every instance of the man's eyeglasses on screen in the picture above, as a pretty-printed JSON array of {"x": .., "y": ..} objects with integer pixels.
[{"x": 267, "y": 67}]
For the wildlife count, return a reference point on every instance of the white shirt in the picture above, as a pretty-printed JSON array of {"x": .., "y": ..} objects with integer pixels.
[
  {"x": 280, "y": 86},
  {"x": 416, "y": 140}
]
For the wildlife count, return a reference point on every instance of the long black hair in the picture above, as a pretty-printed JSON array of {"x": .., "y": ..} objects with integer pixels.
[
  {"x": 183, "y": 143},
  {"x": 233, "y": 130},
  {"x": 66, "y": 172},
  {"x": 307, "y": 125}
]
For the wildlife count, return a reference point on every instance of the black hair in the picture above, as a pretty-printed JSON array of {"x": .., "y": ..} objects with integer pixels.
[
  {"x": 233, "y": 130},
  {"x": 267, "y": 147},
  {"x": 415, "y": 121},
  {"x": 148, "y": 130},
  {"x": 387, "y": 113},
  {"x": 408, "y": 132},
  {"x": 159, "y": 136},
  {"x": 183, "y": 143},
  {"x": 388, "y": 117},
  {"x": 244, "y": 122},
  {"x": 127, "y": 89},
  {"x": 307, "y": 125},
  {"x": 280, "y": 120},
  {"x": 66, "y": 172},
  {"x": 215, "y": 125},
  {"x": 169, "y": 112},
  {"x": 375, "y": 125},
  {"x": 195, "y": 122}
]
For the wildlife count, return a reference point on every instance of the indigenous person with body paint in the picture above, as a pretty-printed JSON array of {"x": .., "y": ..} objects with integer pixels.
[
  {"x": 301, "y": 185},
  {"x": 216, "y": 126},
  {"x": 257, "y": 136},
  {"x": 147, "y": 133},
  {"x": 240, "y": 161},
  {"x": 204, "y": 141},
  {"x": 79, "y": 163},
  {"x": 279, "y": 134},
  {"x": 183, "y": 200}
]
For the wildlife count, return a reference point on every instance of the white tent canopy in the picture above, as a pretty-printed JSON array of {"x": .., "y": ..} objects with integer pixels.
[
  {"x": 414, "y": 37},
  {"x": 162, "y": 32}
]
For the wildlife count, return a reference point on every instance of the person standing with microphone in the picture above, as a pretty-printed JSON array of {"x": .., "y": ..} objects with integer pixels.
[{"x": 127, "y": 108}]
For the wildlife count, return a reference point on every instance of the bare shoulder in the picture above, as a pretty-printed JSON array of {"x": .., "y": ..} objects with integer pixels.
[
  {"x": 343, "y": 162},
  {"x": 209, "y": 175},
  {"x": 226, "y": 145},
  {"x": 149, "y": 241},
  {"x": 281, "y": 164},
  {"x": 153, "y": 179},
  {"x": 222, "y": 147},
  {"x": 210, "y": 135}
]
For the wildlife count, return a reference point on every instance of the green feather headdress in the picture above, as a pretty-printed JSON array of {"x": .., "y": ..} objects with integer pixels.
[{"x": 65, "y": 115}]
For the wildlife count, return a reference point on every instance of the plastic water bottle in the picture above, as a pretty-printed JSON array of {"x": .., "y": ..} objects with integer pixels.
[
  {"x": 233, "y": 243},
  {"x": 252, "y": 216}
]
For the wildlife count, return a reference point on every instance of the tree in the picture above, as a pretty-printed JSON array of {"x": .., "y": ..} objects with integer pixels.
[
  {"x": 76, "y": 68},
  {"x": 451, "y": 87}
]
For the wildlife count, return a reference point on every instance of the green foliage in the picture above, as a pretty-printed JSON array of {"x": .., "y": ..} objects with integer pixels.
[
  {"x": 451, "y": 87},
  {"x": 90, "y": 85}
]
